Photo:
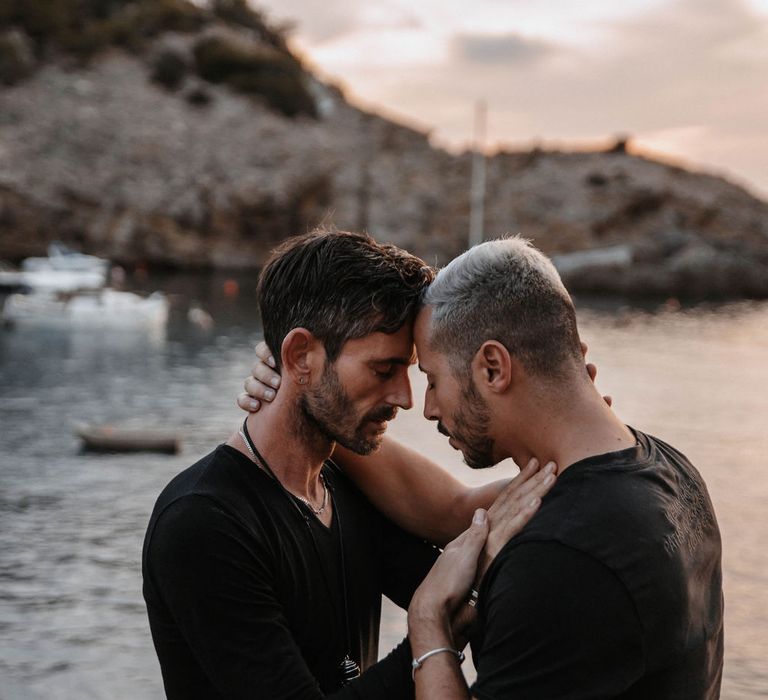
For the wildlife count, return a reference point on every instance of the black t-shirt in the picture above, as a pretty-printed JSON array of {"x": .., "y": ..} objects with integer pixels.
[
  {"x": 244, "y": 590},
  {"x": 613, "y": 590}
]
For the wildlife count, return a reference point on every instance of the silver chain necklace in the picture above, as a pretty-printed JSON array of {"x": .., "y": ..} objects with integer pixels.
[
  {"x": 348, "y": 668},
  {"x": 316, "y": 511}
]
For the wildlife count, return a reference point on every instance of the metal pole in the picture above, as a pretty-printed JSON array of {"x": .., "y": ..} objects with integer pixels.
[{"x": 477, "y": 192}]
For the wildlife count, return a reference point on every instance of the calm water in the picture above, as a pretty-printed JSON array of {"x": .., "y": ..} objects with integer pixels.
[{"x": 72, "y": 621}]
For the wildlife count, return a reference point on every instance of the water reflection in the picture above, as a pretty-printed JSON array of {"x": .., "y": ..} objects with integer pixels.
[{"x": 71, "y": 616}]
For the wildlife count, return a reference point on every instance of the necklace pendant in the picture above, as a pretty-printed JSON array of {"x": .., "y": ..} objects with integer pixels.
[
  {"x": 321, "y": 509},
  {"x": 349, "y": 670}
]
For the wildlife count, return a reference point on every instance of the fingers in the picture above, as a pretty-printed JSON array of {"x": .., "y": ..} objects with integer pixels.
[
  {"x": 446, "y": 585},
  {"x": 512, "y": 525},
  {"x": 477, "y": 531},
  {"x": 512, "y": 498},
  {"x": 513, "y": 509},
  {"x": 264, "y": 354},
  {"x": 528, "y": 470},
  {"x": 248, "y": 404},
  {"x": 463, "y": 554},
  {"x": 540, "y": 483},
  {"x": 505, "y": 530},
  {"x": 263, "y": 382},
  {"x": 525, "y": 474},
  {"x": 265, "y": 374},
  {"x": 256, "y": 389}
]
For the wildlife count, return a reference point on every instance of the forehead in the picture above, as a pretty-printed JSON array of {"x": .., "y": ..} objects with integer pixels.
[
  {"x": 430, "y": 360},
  {"x": 421, "y": 330},
  {"x": 395, "y": 347}
]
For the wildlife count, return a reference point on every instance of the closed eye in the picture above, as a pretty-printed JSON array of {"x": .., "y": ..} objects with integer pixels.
[{"x": 384, "y": 372}]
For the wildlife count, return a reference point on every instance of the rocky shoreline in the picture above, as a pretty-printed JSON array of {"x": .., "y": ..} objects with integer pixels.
[{"x": 104, "y": 158}]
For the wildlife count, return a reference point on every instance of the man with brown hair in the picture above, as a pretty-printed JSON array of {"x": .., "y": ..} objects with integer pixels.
[{"x": 263, "y": 565}]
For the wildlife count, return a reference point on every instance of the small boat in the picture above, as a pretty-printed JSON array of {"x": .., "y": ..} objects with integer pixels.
[
  {"x": 106, "y": 308},
  {"x": 111, "y": 439},
  {"x": 617, "y": 257},
  {"x": 64, "y": 259},
  {"x": 52, "y": 280},
  {"x": 63, "y": 270},
  {"x": 11, "y": 278}
]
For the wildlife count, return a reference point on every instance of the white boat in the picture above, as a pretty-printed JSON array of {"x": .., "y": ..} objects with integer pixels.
[
  {"x": 106, "y": 308},
  {"x": 64, "y": 270},
  {"x": 60, "y": 257},
  {"x": 52, "y": 280}
]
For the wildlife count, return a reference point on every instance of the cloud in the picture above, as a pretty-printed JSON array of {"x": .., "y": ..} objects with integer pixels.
[
  {"x": 684, "y": 74},
  {"x": 334, "y": 18},
  {"x": 693, "y": 60},
  {"x": 689, "y": 62},
  {"x": 500, "y": 49}
]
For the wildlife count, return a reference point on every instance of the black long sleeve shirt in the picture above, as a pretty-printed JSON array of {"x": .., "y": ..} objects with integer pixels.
[{"x": 245, "y": 590}]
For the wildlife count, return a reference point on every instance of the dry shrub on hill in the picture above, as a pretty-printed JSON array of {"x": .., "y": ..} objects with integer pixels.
[{"x": 256, "y": 69}]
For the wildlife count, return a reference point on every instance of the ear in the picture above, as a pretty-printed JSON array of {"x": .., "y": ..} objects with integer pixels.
[
  {"x": 492, "y": 366},
  {"x": 302, "y": 356}
]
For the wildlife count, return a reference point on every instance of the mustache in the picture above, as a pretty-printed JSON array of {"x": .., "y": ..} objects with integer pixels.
[
  {"x": 385, "y": 413},
  {"x": 441, "y": 429}
]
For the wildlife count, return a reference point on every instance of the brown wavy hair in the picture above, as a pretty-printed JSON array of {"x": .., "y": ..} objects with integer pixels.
[{"x": 340, "y": 286}]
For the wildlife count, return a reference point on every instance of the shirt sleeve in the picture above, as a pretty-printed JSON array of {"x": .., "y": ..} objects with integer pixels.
[
  {"x": 557, "y": 625},
  {"x": 219, "y": 591}
]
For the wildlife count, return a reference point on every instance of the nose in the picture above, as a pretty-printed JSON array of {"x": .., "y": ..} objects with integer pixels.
[
  {"x": 430, "y": 406},
  {"x": 403, "y": 395}
]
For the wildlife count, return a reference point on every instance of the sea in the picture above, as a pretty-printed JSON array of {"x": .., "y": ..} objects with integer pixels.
[{"x": 72, "y": 619}]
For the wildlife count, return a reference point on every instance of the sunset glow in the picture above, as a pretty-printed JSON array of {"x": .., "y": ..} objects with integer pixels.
[{"x": 686, "y": 78}]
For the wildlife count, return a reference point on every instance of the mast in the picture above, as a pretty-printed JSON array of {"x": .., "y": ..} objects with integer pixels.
[{"x": 477, "y": 191}]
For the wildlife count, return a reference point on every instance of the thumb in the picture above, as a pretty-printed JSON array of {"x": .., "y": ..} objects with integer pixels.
[
  {"x": 478, "y": 530},
  {"x": 474, "y": 536}
]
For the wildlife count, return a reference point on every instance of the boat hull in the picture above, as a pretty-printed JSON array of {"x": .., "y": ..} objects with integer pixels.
[{"x": 108, "y": 439}]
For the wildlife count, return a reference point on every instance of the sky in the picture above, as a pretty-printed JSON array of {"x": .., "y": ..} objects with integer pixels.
[{"x": 686, "y": 79}]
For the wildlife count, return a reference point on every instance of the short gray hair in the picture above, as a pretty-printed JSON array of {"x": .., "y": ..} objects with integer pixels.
[{"x": 504, "y": 290}]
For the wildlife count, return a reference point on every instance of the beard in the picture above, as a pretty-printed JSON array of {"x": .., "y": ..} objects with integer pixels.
[
  {"x": 328, "y": 409},
  {"x": 471, "y": 420}
]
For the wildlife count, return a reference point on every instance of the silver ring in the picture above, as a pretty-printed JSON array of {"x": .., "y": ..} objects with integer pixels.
[{"x": 473, "y": 597}]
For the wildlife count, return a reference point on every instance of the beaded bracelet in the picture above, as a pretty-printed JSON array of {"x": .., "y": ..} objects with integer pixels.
[{"x": 416, "y": 664}]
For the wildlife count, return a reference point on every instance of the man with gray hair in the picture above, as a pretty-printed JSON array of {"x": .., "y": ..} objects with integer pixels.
[{"x": 613, "y": 589}]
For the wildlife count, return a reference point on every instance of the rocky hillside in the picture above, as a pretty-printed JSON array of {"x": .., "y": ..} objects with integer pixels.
[{"x": 190, "y": 136}]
